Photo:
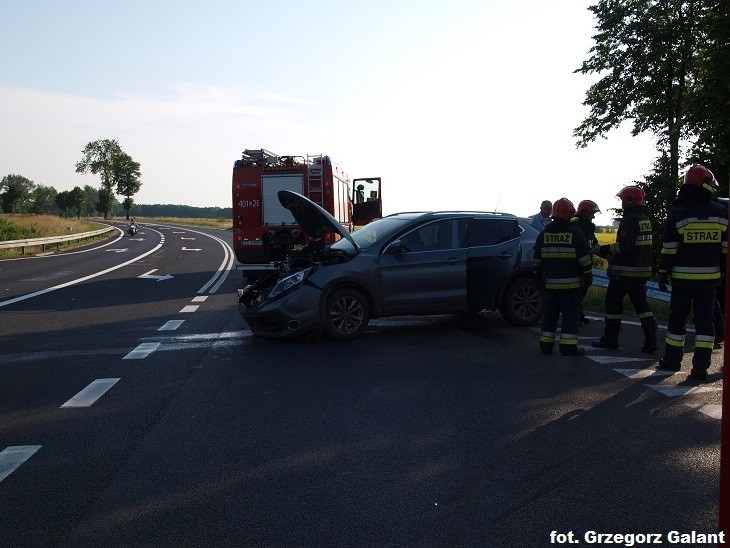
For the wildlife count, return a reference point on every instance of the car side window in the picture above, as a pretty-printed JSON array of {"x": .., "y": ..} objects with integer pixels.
[{"x": 493, "y": 231}]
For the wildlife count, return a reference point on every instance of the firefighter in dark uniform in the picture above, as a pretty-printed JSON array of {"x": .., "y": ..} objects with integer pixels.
[
  {"x": 694, "y": 247},
  {"x": 562, "y": 260},
  {"x": 587, "y": 210},
  {"x": 629, "y": 268}
]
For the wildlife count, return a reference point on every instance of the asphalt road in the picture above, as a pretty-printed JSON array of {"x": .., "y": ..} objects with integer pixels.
[{"x": 139, "y": 411}]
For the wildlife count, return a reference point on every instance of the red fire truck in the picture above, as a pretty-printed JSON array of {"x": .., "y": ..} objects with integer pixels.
[{"x": 263, "y": 230}]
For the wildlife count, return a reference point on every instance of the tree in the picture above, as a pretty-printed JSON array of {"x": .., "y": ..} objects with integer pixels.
[
  {"x": 710, "y": 112},
  {"x": 16, "y": 191},
  {"x": 647, "y": 56},
  {"x": 77, "y": 201},
  {"x": 126, "y": 179},
  {"x": 43, "y": 199},
  {"x": 98, "y": 159},
  {"x": 63, "y": 201},
  {"x": 91, "y": 198}
]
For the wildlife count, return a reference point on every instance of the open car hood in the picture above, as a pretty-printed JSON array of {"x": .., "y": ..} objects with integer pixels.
[{"x": 314, "y": 220}]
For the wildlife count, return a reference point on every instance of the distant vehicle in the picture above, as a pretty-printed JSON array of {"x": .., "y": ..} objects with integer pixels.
[
  {"x": 264, "y": 231},
  {"x": 402, "y": 264},
  {"x": 132, "y": 228}
]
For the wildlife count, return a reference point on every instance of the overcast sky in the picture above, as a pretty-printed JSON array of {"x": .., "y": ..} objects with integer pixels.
[{"x": 466, "y": 104}]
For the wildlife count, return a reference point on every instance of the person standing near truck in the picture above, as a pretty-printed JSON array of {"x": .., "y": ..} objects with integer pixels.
[
  {"x": 694, "y": 251},
  {"x": 629, "y": 268},
  {"x": 562, "y": 262}
]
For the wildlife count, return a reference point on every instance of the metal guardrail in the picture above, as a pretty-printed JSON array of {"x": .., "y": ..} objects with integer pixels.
[
  {"x": 600, "y": 279},
  {"x": 43, "y": 242}
]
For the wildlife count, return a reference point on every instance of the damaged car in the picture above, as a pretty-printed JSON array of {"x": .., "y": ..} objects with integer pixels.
[{"x": 421, "y": 263}]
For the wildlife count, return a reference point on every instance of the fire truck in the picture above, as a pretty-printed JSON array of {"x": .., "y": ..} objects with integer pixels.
[{"x": 264, "y": 231}]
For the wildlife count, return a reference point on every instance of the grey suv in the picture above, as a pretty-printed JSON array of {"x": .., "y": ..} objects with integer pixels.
[{"x": 402, "y": 264}]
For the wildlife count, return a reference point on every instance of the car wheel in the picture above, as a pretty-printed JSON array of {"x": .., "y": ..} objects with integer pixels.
[
  {"x": 346, "y": 314},
  {"x": 522, "y": 302}
]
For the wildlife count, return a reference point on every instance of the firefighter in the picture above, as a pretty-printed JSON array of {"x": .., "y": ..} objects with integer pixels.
[
  {"x": 562, "y": 261},
  {"x": 629, "y": 268},
  {"x": 587, "y": 210},
  {"x": 694, "y": 247}
]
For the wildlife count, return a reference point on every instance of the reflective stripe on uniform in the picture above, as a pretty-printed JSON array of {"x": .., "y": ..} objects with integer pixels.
[
  {"x": 704, "y": 341},
  {"x": 562, "y": 283},
  {"x": 566, "y": 338},
  {"x": 674, "y": 340},
  {"x": 547, "y": 337}
]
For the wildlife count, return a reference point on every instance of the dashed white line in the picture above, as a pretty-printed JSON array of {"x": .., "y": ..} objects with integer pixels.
[
  {"x": 200, "y": 299},
  {"x": 91, "y": 393},
  {"x": 189, "y": 308},
  {"x": 674, "y": 391},
  {"x": 142, "y": 351},
  {"x": 714, "y": 411},
  {"x": 643, "y": 373},
  {"x": 13, "y": 456},
  {"x": 172, "y": 325}
]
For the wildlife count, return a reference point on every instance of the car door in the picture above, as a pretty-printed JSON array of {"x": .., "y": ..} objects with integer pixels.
[
  {"x": 494, "y": 251},
  {"x": 426, "y": 274}
]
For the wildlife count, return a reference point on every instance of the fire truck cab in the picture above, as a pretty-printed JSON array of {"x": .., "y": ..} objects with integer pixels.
[{"x": 264, "y": 231}]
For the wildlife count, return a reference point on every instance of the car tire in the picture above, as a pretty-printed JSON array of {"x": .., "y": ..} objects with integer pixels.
[
  {"x": 522, "y": 302},
  {"x": 346, "y": 314}
]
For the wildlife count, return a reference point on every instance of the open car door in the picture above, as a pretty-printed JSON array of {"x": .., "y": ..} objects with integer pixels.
[{"x": 367, "y": 204}]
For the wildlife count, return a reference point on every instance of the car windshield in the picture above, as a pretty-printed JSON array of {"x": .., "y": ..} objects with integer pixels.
[{"x": 372, "y": 233}]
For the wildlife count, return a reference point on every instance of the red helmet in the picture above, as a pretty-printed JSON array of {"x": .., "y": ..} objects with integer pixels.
[
  {"x": 698, "y": 175},
  {"x": 631, "y": 195},
  {"x": 588, "y": 206},
  {"x": 563, "y": 209}
]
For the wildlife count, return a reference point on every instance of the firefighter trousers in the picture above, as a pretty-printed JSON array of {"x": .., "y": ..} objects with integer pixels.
[
  {"x": 565, "y": 303},
  {"x": 701, "y": 302},
  {"x": 618, "y": 288}
]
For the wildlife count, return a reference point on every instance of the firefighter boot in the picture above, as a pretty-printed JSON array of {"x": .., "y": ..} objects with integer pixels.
[
  {"x": 610, "y": 335},
  {"x": 547, "y": 342},
  {"x": 701, "y": 362},
  {"x": 649, "y": 326},
  {"x": 672, "y": 360}
]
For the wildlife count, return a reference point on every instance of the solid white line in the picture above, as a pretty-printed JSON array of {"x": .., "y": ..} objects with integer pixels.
[
  {"x": 171, "y": 325},
  {"x": 142, "y": 351},
  {"x": 190, "y": 308},
  {"x": 91, "y": 393},
  {"x": 200, "y": 299},
  {"x": 85, "y": 278},
  {"x": 14, "y": 456}
]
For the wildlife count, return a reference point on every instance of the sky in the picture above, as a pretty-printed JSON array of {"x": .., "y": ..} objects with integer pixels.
[{"x": 466, "y": 104}]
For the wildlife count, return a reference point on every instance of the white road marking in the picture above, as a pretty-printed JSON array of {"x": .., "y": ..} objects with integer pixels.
[
  {"x": 200, "y": 299},
  {"x": 714, "y": 411},
  {"x": 91, "y": 393},
  {"x": 142, "y": 351},
  {"x": 151, "y": 276},
  {"x": 189, "y": 308},
  {"x": 85, "y": 278},
  {"x": 189, "y": 249},
  {"x": 617, "y": 359},
  {"x": 13, "y": 456},
  {"x": 643, "y": 373},
  {"x": 172, "y": 325},
  {"x": 674, "y": 391}
]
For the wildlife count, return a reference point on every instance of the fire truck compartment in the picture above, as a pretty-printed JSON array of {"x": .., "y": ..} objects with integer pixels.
[{"x": 273, "y": 212}]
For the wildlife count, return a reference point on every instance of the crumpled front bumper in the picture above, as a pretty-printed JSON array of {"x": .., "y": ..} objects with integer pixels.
[{"x": 293, "y": 314}]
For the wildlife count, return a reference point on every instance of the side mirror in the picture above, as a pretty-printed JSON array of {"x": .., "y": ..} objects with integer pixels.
[{"x": 397, "y": 247}]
